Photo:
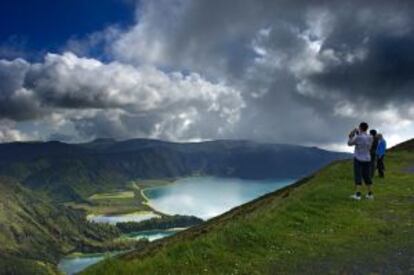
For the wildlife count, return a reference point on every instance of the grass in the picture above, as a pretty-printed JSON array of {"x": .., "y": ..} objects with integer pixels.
[
  {"x": 114, "y": 202},
  {"x": 17, "y": 266},
  {"x": 113, "y": 195},
  {"x": 313, "y": 228},
  {"x": 34, "y": 233}
]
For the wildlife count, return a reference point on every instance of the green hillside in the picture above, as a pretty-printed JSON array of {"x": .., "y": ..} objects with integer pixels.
[
  {"x": 73, "y": 172},
  {"x": 311, "y": 227},
  {"x": 34, "y": 233}
]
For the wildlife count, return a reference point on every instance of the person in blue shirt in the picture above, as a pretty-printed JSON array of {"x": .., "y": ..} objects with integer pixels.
[{"x": 381, "y": 148}]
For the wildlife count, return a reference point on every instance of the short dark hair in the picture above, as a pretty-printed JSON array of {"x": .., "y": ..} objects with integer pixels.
[
  {"x": 363, "y": 126},
  {"x": 373, "y": 132}
]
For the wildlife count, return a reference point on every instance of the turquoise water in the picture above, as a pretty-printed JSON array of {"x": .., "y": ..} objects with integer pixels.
[
  {"x": 131, "y": 217},
  {"x": 71, "y": 264},
  {"x": 153, "y": 235},
  {"x": 207, "y": 197},
  {"x": 204, "y": 197}
]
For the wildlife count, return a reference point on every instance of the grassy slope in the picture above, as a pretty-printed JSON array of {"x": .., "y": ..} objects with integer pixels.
[
  {"x": 312, "y": 228},
  {"x": 120, "y": 201},
  {"x": 34, "y": 233}
]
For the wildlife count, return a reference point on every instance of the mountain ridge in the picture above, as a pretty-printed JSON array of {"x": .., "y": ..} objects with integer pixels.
[{"x": 82, "y": 169}]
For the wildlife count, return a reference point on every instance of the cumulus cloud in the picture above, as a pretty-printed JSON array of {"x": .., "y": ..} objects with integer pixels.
[
  {"x": 282, "y": 71},
  {"x": 8, "y": 133},
  {"x": 116, "y": 99},
  {"x": 98, "y": 43},
  {"x": 335, "y": 62}
]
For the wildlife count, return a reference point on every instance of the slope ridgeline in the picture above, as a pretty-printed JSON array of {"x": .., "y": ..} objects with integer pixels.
[{"x": 310, "y": 227}]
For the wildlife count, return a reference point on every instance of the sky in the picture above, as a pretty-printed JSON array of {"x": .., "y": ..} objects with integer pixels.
[{"x": 299, "y": 72}]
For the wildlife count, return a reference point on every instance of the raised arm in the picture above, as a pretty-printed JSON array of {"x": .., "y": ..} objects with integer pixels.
[
  {"x": 352, "y": 138},
  {"x": 352, "y": 141}
]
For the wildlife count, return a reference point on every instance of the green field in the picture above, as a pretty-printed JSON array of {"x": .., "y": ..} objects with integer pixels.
[
  {"x": 124, "y": 201},
  {"x": 35, "y": 234},
  {"x": 113, "y": 195},
  {"x": 312, "y": 227}
]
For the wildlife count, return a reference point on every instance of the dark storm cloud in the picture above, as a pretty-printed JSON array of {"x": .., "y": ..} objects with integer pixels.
[
  {"x": 283, "y": 71},
  {"x": 207, "y": 36},
  {"x": 386, "y": 73},
  {"x": 293, "y": 60},
  {"x": 16, "y": 102}
]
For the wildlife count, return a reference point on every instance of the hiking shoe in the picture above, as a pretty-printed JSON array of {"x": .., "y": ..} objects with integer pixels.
[
  {"x": 355, "y": 197},
  {"x": 369, "y": 197}
]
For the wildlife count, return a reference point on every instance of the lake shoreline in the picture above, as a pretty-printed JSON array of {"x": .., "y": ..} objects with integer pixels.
[
  {"x": 207, "y": 196},
  {"x": 75, "y": 262},
  {"x": 207, "y": 183}
]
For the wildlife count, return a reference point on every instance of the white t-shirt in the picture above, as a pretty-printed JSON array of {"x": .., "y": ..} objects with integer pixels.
[{"x": 363, "y": 143}]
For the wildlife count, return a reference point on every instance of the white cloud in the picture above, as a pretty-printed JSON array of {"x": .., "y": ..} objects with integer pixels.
[
  {"x": 8, "y": 133},
  {"x": 70, "y": 88},
  {"x": 279, "y": 71}
]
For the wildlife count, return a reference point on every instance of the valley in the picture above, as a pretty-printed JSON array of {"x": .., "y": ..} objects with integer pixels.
[
  {"x": 310, "y": 226},
  {"x": 74, "y": 196},
  {"x": 142, "y": 137},
  {"x": 120, "y": 202},
  {"x": 202, "y": 197}
]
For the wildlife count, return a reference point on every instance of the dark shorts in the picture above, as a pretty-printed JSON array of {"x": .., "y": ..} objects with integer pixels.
[{"x": 362, "y": 172}]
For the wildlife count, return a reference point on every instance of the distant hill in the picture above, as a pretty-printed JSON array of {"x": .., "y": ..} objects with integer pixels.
[
  {"x": 34, "y": 234},
  {"x": 404, "y": 146},
  {"x": 70, "y": 172},
  {"x": 310, "y": 227}
]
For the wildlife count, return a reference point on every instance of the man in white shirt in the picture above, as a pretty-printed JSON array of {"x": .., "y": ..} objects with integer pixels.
[{"x": 362, "y": 159}]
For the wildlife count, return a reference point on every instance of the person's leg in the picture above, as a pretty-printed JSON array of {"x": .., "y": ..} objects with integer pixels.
[
  {"x": 380, "y": 166},
  {"x": 367, "y": 177},
  {"x": 373, "y": 165},
  {"x": 357, "y": 177}
]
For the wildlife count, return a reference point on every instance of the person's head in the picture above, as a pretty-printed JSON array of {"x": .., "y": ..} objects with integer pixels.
[
  {"x": 363, "y": 126},
  {"x": 373, "y": 132},
  {"x": 379, "y": 136}
]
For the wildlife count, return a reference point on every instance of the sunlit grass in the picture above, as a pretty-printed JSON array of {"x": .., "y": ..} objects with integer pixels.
[
  {"x": 129, "y": 200},
  {"x": 315, "y": 228},
  {"x": 113, "y": 195}
]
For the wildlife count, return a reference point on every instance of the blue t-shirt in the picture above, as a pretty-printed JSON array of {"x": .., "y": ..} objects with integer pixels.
[{"x": 382, "y": 146}]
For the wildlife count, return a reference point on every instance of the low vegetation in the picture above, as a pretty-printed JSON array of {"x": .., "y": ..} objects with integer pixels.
[
  {"x": 310, "y": 227},
  {"x": 35, "y": 234},
  {"x": 120, "y": 201},
  {"x": 164, "y": 222},
  {"x": 112, "y": 196}
]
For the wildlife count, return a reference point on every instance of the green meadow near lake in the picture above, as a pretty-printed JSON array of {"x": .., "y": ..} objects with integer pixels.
[
  {"x": 113, "y": 195},
  {"x": 203, "y": 197},
  {"x": 120, "y": 201},
  {"x": 312, "y": 226}
]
